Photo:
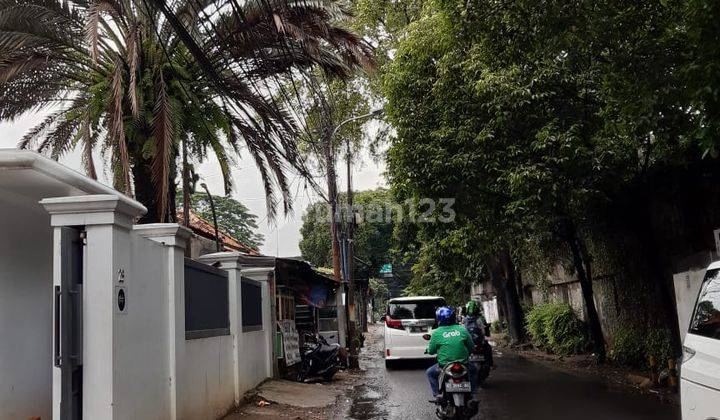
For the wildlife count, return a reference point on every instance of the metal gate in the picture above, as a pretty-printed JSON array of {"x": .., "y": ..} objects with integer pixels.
[{"x": 68, "y": 324}]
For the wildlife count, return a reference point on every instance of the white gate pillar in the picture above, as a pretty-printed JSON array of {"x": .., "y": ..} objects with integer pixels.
[
  {"x": 266, "y": 277},
  {"x": 175, "y": 238},
  {"x": 230, "y": 262},
  {"x": 107, "y": 220}
]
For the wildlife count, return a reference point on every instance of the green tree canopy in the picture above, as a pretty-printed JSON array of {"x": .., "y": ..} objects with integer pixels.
[
  {"x": 233, "y": 217},
  {"x": 534, "y": 119},
  {"x": 373, "y": 236}
]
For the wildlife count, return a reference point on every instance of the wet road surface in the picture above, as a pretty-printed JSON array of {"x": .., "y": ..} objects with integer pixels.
[{"x": 517, "y": 389}]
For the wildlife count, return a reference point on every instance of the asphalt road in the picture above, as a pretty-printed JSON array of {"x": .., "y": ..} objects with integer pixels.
[{"x": 517, "y": 389}]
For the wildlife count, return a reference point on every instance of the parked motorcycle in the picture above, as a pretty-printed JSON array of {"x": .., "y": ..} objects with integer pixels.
[
  {"x": 318, "y": 359},
  {"x": 455, "y": 402}
]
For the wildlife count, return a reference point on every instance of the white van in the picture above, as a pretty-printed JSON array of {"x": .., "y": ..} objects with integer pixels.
[
  {"x": 700, "y": 370},
  {"x": 407, "y": 319}
]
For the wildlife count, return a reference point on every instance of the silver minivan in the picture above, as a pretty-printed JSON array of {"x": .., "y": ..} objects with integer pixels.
[{"x": 700, "y": 370}]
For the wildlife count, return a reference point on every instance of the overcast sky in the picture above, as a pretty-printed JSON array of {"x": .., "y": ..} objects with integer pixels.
[{"x": 282, "y": 236}]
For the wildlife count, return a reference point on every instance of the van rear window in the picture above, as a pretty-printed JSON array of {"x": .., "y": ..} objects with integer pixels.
[
  {"x": 421, "y": 309},
  {"x": 706, "y": 319}
]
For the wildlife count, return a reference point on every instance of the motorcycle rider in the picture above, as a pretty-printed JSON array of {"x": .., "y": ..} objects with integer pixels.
[
  {"x": 475, "y": 323},
  {"x": 452, "y": 343}
]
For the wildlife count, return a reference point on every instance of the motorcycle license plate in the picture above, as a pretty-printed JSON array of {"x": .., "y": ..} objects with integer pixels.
[
  {"x": 477, "y": 358},
  {"x": 457, "y": 386},
  {"x": 418, "y": 329}
]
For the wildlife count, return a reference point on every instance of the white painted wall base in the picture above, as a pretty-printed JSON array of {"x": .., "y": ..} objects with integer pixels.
[
  {"x": 26, "y": 297},
  {"x": 687, "y": 287}
]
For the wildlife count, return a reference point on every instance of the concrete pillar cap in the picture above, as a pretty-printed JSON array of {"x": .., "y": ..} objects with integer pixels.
[
  {"x": 170, "y": 234},
  {"x": 98, "y": 209}
]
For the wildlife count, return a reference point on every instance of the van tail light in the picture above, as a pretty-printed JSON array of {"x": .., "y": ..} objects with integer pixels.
[
  {"x": 394, "y": 323},
  {"x": 387, "y": 352}
]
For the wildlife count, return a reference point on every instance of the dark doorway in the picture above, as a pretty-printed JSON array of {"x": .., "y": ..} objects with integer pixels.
[{"x": 68, "y": 324}]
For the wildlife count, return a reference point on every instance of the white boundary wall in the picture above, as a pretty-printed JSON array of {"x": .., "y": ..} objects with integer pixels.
[
  {"x": 138, "y": 364},
  {"x": 26, "y": 297},
  {"x": 687, "y": 286},
  {"x": 253, "y": 351}
]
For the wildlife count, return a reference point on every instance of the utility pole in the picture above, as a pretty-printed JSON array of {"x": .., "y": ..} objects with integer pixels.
[
  {"x": 352, "y": 312},
  {"x": 332, "y": 197},
  {"x": 331, "y": 179},
  {"x": 352, "y": 339}
]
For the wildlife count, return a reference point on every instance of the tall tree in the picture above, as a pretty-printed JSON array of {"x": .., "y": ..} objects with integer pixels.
[
  {"x": 323, "y": 105},
  {"x": 135, "y": 82},
  {"x": 534, "y": 119}
]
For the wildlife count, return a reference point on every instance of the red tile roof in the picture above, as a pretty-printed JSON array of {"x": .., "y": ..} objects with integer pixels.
[{"x": 206, "y": 229}]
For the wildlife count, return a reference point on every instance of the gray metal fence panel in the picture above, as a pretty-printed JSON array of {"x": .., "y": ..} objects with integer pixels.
[
  {"x": 206, "y": 301},
  {"x": 251, "y": 305}
]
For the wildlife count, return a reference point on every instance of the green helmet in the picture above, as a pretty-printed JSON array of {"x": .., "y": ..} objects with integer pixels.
[{"x": 472, "y": 308}]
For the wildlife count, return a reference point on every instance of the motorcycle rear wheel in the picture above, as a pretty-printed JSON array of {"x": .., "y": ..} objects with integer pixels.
[{"x": 450, "y": 411}]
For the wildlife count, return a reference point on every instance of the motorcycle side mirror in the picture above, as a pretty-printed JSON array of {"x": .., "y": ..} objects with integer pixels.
[
  {"x": 426, "y": 337},
  {"x": 383, "y": 318}
]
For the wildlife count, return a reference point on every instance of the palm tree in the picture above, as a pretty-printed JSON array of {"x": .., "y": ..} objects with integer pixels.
[{"x": 136, "y": 83}]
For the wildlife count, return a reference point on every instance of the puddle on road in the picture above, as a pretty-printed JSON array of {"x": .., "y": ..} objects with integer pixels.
[{"x": 366, "y": 404}]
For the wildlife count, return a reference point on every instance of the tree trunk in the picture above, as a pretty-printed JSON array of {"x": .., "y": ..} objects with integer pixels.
[
  {"x": 146, "y": 191},
  {"x": 582, "y": 267},
  {"x": 520, "y": 287},
  {"x": 663, "y": 288},
  {"x": 496, "y": 281},
  {"x": 516, "y": 316},
  {"x": 502, "y": 274}
]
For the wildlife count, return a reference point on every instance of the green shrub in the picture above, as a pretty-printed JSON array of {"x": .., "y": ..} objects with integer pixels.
[
  {"x": 632, "y": 346},
  {"x": 535, "y": 325},
  {"x": 496, "y": 327},
  {"x": 556, "y": 328},
  {"x": 657, "y": 343},
  {"x": 566, "y": 334},
  {"x": 628, "y": 348}
]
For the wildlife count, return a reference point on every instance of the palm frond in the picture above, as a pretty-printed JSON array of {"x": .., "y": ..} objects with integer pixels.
[
  {"x": 94, "y": 20},
  {"x": 50, "y": 13},
  {"x": 10, "y": 70},
  {"x": 117, "y": 134},
  {"x": 185, "y": 69},
  {"x": 29, "y": 140},
  {"x": 132, "y": 51},
  {"x": 60, "y": 140},
  {"x": 163, "y": 132}
]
